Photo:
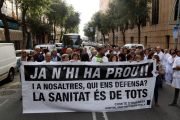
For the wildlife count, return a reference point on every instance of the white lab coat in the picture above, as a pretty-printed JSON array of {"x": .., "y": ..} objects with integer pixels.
[
  {"x": 169, "y": 70},
  {"x": 166, "y": 56},
  {"x": 176, "y": 74}
]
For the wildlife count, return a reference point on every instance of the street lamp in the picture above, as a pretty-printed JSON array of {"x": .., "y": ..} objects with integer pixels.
[{"x": 178, "y": 16}]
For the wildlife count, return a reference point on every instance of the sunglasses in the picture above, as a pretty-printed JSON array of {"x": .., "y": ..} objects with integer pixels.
[{"x": 23, "y": 52}]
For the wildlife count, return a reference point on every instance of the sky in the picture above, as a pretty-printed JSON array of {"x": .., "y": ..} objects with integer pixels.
[{"x": 87, "y": 8}]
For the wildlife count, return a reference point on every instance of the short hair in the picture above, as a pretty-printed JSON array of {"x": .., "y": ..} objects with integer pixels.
[
  {"x": 174, "y": 53},
  {"x": 99, "y": 49},
  {"x": 110, "y": 51},
  {"x": 29, "y": 58},
  {"x": 138, "y": 56},
  {"x": 64, "y": 56},
  {"x": 108, "y": 56},
  {"x": 123, "y": 58},
  {"x": 75, "y": 53},
  {"x": 111, "y": 57},
  {"x": 94, "y": 52},
  {"x": 85, "y": 57},
  {"x": 68, "y": 50},
  {"x": 54, "y": 49},
  {"x": 129, "y": 56}
]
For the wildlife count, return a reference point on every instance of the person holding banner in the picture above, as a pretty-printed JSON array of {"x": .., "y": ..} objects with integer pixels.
[
  {"x": 48, "y": 58},
  {"x": 176, "y": 80},
  {"x": 65, "y": 57},
  {"x": 75, "y": 57},
  {"x": 159, "y": 70},
  {"x": 113, "y": 58},
  {"x": 100, "y": 57}
]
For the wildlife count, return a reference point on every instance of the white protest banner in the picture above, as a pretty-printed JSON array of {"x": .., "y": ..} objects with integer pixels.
[{"x": 86, "y": 87}]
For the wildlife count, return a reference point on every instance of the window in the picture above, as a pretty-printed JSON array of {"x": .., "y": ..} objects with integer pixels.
[
  {"x": 176, "y": 11},
  {"x": 132, "y": 40},
  {"x": 155, "y": 12}
]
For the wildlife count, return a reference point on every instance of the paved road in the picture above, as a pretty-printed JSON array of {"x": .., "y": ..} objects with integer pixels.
[{"x": 11, "y": 108}]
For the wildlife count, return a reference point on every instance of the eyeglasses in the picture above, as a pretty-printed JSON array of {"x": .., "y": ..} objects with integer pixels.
[{"x": 23, "y": 52}]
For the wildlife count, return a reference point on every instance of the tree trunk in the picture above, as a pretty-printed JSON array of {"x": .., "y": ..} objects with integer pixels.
[
  {"x": 54, "y": 34},
  {"x": 124, "y": 37},
  {"x": 25, "y": 27},
  {"x": 61, "y": 35},
  {"x": 113, "y": 36},
  {"x": 65, "y": 31},
  {"x": 6, "y": 28},
  {"x": 139, "y": 34},
  {"x": 104, "y": 38}
]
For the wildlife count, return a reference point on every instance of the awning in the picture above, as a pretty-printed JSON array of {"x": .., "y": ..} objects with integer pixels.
[{"x": 15, "y": 35}]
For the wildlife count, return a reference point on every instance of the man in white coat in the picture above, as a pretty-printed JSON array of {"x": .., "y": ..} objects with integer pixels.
[
  {"x": 176, "y": 80},
  {"x": 101, "y": 56},
  {"x": 160, "y": 54}
]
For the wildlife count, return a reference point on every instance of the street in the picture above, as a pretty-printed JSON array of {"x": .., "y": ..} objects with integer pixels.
[{"x": 11, "y": 107}]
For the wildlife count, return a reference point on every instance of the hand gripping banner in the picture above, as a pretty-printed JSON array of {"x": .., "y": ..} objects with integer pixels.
[{"x": 86, "y": 87}]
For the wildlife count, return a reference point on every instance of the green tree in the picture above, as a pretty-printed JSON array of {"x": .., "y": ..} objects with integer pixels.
[
  {"x": 139, "y": 12},
  {"x": 122, "y": 17},
  {"x": 57, "y": 14},
  {"x": 110, "y": 18},
  {"x": 32, "y": 7},
  {"x": 72, "y": 21},
  {"x": 87, "y": 31},
  {"x": 98, "y": 21}
]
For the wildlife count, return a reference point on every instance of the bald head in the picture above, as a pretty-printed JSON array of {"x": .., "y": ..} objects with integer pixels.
[
  {"x": 158, "y": 49},
  {"x": 48, "y": 57}
]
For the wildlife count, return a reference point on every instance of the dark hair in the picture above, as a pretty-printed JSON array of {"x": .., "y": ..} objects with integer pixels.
[
  {"x": 170, "y": 51},
  {"x": 150, "y": 55},
  {"x": 99, "y": 49},
  {"x": 85, "y": 57},
  {"x": 142, "y": 55},
  {"x": 61, "y": 53},
  {"x": 123, "y": 58},
  {"x": 108, "y": 56},
  {"x": 29, "y": 58},
  {"x": 129, "y": 56},
  {"x": 75, "y": 53},
  {"x": 173, "y": 53},
  {"x": 157, "y": 58},
  {"x": 46, "y": 51},
  {"x": 110, "y": 51},
  {"x": 110, "y": 59}
]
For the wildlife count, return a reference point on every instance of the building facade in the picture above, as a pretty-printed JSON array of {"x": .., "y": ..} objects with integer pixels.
[
  {"x": 155, "y": 33},
  {"x": 13, "y": 17}
]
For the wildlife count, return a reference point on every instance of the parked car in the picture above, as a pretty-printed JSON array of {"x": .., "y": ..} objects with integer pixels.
[
  {"x": 50, "y": 47},
  {"x": 59, "y": 47},
  {"x": 7, "y": 61},
  {"x": 85, "y": 43},
  {"x": 129, "y": 46}
]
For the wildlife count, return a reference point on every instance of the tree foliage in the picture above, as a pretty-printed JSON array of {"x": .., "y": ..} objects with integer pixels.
[{"x": 87, "y": 31}]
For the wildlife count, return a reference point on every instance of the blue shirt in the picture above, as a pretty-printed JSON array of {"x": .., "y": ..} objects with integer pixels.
[{"x": 38, "y": 59}]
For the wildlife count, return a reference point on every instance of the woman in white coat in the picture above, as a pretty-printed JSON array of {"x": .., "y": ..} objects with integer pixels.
[{"x": 169, "y": 70}]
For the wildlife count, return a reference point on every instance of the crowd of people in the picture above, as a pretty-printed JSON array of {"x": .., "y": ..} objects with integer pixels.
[{"x": 167, "y": 61}]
